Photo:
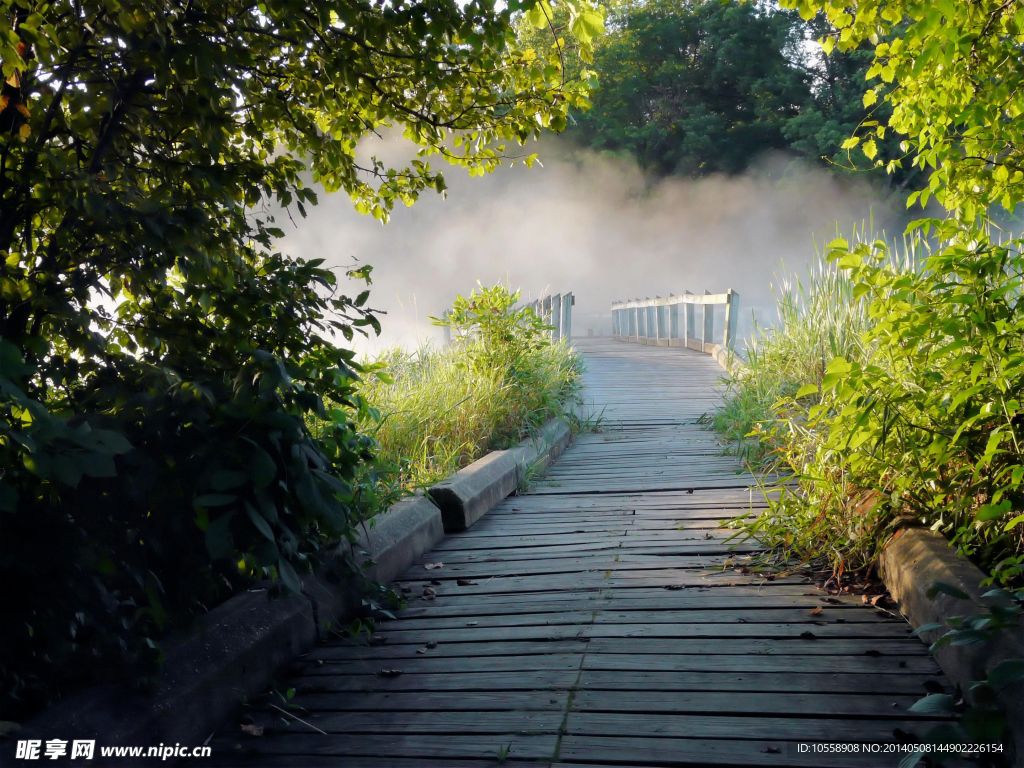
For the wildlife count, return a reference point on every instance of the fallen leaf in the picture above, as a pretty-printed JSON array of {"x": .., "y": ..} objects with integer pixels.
[
  {"x": 772, "y": 750},
  {"x": 432, "y": 644},
  {"x": 933, "y": 686},
  {"x": 877, "y": 599},
  {"x": 406, "y": 590},
  {"x": 432, "y": 566},
  {"x": 815, "y": 611},
  {"x": 378, "y": 639},
  {"x": 390, "y": 672},
  {"x": 472, "y": 623},
  {"x": 465, "y": 583},
  {"x": 429, "y": 591},
  {"x": 808, "y": 636},
  {"x": 252, "y": 730},
  {"x": 872, "y": 652},
  {"x": 673, "y": 586},
  {"x": 832, "y": 600},
  {"x": 865, "y": 599},
  {"x": 436, "y": 582},
  {"x": 421, "y": 650}
]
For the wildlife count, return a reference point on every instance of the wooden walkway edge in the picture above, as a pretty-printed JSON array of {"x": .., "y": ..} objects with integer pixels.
[{"x": 589, "y": 622}]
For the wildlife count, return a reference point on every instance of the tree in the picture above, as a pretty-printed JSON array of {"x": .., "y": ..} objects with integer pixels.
[
  {"x": 694, "y": 87},
  {"x": 950, "y": 71},
  {"x": 158, "y": 360}
]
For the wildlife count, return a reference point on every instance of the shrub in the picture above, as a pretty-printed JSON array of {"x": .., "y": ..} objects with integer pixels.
[
  {"x": 924, "y": 424},
  {"x": 437, "y": 410}
]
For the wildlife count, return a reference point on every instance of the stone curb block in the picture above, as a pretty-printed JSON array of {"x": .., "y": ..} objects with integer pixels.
[
  {"x": 399, "y": 536},
  {"x": 471, "y": 492},
  {"x": 236, "y": 649},
  {"x": 231, "y": 653},
  {"x": 910, "y": 564}
]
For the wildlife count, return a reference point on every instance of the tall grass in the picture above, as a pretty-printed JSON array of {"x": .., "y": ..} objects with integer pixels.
[
  {"x": 434, "y": 411},
  {"x": 820, "y": 317},
  {"x": 889, "y": 394}
]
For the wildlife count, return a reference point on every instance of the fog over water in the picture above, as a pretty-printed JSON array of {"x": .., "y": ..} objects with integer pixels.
[{"x": 590, "y": 224}]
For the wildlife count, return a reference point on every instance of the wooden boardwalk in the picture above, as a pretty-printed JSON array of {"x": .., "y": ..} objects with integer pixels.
[{"x": 585, "y": 623}]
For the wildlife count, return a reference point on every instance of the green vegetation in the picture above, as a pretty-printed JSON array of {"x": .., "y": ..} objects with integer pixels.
[
  {"x": 912, "y": 412},
  {"x": 695, "y": 87},
  {"x": 159, "y": 361},
  {"x": 436, "y": 410}
]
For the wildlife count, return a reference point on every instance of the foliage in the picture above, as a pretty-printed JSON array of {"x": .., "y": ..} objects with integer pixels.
[
  {"x": 694, "y": 87},
  {"x": 818, "y": 319},
  {"x": 928, "y": 423},
  {"x": 951, "y": 73},
  {"x": 436, "y": 410},
  {"x": 704, "y": 86},
  {"x": 160, "y": 361},
  {"x": 980, "y": 718},
  {"x": 919, "y": 419}
]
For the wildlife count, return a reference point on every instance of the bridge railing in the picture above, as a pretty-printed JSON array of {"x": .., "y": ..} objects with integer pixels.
[
  {"x": 556, "y": 311},
  {"x": 672, "y": 321}
]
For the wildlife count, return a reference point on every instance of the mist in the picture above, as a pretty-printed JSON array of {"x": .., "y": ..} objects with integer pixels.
[{"x": 590, "y": 224}]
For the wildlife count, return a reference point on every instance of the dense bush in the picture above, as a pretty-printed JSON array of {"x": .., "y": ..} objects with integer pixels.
[
  {"x": 438, "y": 409},
  {"x": 922, "y": 421},
  {"x": 160, "y": 362}
]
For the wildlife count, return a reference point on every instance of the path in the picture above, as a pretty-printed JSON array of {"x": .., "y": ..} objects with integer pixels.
[{"x": 592, "y": 628}]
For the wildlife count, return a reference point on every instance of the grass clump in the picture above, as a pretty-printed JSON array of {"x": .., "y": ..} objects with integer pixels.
[
  {"x": 434, "y": 410},
  {"x": 889, "y": 394}
]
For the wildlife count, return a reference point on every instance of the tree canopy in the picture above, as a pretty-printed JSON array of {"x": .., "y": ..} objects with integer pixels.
[
  {"x": 160, "y": 363},
  {"x": 701, "y": 86}
]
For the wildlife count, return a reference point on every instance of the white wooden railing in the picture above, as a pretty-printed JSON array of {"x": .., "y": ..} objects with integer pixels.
[
  {"x": 659, "y": 322},
  {"x": 556, "y": 311}
]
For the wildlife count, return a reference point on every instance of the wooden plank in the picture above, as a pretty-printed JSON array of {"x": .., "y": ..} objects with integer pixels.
[
  {"x": 725, "y": 727},
  {"x": 623, "y": 750},
  {"x": 435, "y": 701},
  {"x": 756, "y": 651},
  {"x": 446, "y": 745}
]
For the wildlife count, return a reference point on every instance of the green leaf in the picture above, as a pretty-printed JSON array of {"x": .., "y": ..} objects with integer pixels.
[
  {"x": 289, "y": 576},
  {"x": 219, "y": 542},
  {"x": 224, "y": 479},
  {"x": 807, "y": 389},
  {"x": 936, "y": 704},
  {"x": 1006, "y": 673},
  {"x": 258, "y": 520}
]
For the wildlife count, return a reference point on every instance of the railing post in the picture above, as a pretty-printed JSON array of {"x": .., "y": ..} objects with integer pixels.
[
  {"x": 567, "y": 300},
  {"x": 659, "y": 331},
  {"x": 636, "y": 324},
  {"x": 732, "y": 314},
  {"x": 709, "y": 323},
  {"x": 688, "y": 328},
  {"x": 556, "y": 317},
  {"x": 447, "y": 329},
  {"x": 673, "y": 321}
]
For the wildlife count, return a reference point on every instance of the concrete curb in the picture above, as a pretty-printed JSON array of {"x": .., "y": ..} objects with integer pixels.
[
  {"x": 471, "y": 492},
  {"x": 910, "y": 564},
  {"x": 234, "y": 652}
]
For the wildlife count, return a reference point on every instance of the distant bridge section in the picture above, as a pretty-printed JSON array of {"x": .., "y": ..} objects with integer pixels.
[{"x": 674, "y": 322}]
